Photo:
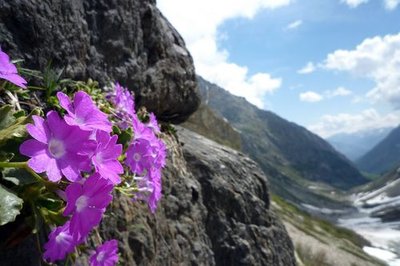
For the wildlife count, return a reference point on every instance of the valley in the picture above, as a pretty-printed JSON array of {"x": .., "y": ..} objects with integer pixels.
[{"x": 328, "y": 206}]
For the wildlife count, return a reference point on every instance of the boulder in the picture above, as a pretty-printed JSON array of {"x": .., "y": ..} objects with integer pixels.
[{"x": 129, "y": 41}]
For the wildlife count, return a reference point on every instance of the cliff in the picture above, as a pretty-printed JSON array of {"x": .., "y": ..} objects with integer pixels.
[{"x": 125, "y": 40}]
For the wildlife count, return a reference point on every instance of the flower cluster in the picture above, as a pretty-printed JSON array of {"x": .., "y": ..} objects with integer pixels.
[
  {"x": 79, "y": 142},
  {"x": 81, "y": 148},
  {"x": 146, "y": 153}
]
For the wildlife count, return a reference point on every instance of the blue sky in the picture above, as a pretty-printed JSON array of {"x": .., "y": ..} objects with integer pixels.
[{"x": 330, "y": 65}]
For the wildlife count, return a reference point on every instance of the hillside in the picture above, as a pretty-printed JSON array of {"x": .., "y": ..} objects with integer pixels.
[
  {"x": 384, "y": 156},
  {"x": 276, "y": 143},
  {"x": 207, "y": 123},
  {"x": 355, "y": 145},
  {"x": 301, "y": 167}
]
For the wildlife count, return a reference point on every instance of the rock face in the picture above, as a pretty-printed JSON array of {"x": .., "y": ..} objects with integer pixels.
[
  {"x": 239, "y": 223},
  {"x": 215, "y": 211},
  {"x": 125, "y": 40}
]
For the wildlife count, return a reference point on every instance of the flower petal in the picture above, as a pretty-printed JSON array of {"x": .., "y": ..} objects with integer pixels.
[
  {"x": 39, "y": 130},
  {"x": 40, "y": 163},
  {"x": 32, "y": 147},
  {"x": 65, "y": 102},
  {"x": 53, "y": 171},
  {"x": 73, "y": 192}
]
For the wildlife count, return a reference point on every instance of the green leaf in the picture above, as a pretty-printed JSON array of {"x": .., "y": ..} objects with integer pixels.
[
  {"x": 125, "y": 136},
  {"x": 10, "y": 205},
  {"x": 12, "y": 127},
  {"x": 19, "y": 177},
  {"x": 6, "y": 117}
]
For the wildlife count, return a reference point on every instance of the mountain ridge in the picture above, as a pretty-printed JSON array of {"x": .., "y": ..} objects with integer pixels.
[
  {"x": 262, "y": 133},
  {"x": 384, "y": 156},
  {"x": 297, "y": 171}
]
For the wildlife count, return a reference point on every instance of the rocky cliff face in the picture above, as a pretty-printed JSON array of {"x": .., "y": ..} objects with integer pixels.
[
  {"x": 215, "y": 209},
  {"x": 125, "y": 40}
]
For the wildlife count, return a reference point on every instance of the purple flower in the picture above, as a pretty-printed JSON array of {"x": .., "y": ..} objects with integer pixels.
[
  {"x": 146, "y": 158},
  {"x": 83, "y": 112},
  {"x": 124, "y": 100},
  {"x": 105, "y": 157},
  {"x": 60, "y": 243},
  {"x": 124, "y": 104},
  {"x": 149, "y": 187},
  {"x": 55, "y": 148},
  {"x": 155, "y": 195},
  {"x": 153, "y": 124},
  {"x": 9, "y": 72},
  {"x": 139, "y": 156},
  {"x": 87, "y": 203},
  {"x": 105, "y": 255}
]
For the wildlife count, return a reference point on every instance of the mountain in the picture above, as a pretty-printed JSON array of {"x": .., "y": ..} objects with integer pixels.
[
  {"x": 302, "y": 166},
  {"x": 354, "y": 145},
  {"x": 384, "y": 156}
]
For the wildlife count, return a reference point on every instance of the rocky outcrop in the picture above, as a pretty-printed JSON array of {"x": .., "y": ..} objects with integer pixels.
[
  {"x": 125, "y": 40},
  {"x": 215, "y": 211},
  {"x": 239, "y": 223}
]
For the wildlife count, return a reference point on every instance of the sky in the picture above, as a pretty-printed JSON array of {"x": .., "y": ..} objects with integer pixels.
[{"x": 332, "y": 66}]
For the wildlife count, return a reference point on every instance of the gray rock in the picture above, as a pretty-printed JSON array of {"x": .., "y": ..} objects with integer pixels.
[
  {"x": 125, "y": 40},
  {"x": 242, "y": 228},
  {"x": 215, "y": 211}
]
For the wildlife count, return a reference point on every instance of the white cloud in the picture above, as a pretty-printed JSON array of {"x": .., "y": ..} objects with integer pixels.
[
  {"x": 294, "y": 25},
  {"x": 198, "y": 22},
  {"x": 376, "y": 58},
  {"x": 350, "y": 123},
  {"x": 307, "y": 69},
  {"x": 340, "y": 91},
  {"x": 310, "y": 96},
  {"x": 354, "y": 3},
  {"x": 391, "y": 4}
]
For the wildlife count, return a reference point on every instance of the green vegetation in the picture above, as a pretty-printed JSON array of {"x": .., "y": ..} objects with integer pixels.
[{"x": 370, "y": 176}]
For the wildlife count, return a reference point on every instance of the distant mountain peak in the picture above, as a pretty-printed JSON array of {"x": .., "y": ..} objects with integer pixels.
[{"x": 354, "y": 145}]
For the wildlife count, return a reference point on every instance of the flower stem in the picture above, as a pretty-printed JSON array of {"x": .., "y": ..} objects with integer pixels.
[
  {"x": 24, "y": 165},
  {"x": 13, "y": 165}
]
